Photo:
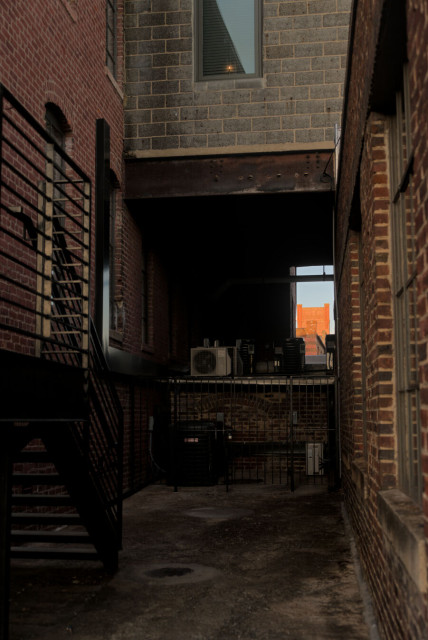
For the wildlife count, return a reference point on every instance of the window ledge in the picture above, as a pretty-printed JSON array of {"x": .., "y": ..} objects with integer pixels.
[
  {"x": 402, "y": 523},
  {"x": 147, "y": 348},
  {"x": 116, "y": 336},
  {"x": 229, "y": 83},
  {"x": 114, "y": 82}
]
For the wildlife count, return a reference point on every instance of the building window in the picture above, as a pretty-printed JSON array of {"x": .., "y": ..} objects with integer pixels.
[
  {"x": 144, "y": 298},
  {"x": 228, "y": 36},
  {"x": 111, "y": 36},
  {"x": 57, "y": 127},
  {"x": 405, "y": 298}
]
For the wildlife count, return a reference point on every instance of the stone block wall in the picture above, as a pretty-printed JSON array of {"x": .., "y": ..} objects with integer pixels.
[{"x": 295, "y": 104}]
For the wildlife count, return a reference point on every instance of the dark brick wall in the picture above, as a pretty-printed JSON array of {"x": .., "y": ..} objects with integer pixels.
[
  {"x": 53, "y": 51},
  {"x": 367, "y": 361}
]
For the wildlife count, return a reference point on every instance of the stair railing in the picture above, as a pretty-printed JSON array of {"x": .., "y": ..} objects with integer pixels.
[
  {"x": 106, "y": 433},
  {"x": 45, "y": 202}
]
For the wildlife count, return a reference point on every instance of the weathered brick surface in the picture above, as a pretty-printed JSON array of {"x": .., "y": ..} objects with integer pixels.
[
  {"x": 298, "y": 100},
  {"x": 368, "y": 361},
  {"x": 53, "y": 51}
]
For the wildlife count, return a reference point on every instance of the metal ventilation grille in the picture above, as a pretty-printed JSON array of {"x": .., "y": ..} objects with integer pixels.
[{"x": 204, "y": 361}]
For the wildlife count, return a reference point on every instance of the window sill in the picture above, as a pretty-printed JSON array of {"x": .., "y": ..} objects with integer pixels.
[
  {"x": 402, "y": 524},
  {"x": 147, "y": 348},
  {"x": 116, "y": 336},
  {"x": 229, "y": 83},
  {"x": 114, "y": 82}
]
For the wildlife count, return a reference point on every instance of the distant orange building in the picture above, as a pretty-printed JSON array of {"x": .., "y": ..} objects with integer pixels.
[{"x": 313, "y": 324}]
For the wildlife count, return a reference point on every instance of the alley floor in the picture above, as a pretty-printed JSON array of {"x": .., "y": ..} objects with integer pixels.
[{"x": 254, "y": 563}]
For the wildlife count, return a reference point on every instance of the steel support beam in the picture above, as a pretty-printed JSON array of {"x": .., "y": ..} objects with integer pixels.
[{"x": 229, "y": 175}]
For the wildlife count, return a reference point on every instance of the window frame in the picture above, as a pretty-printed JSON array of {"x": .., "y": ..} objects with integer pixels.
[
  {"x": 199, "y": 42},
  {"x": 404, "y": 289},
  {"x": 144, "y": 296}
]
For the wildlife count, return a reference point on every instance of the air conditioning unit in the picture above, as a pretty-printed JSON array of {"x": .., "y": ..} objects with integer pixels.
[{"x": 210, "y": 361}]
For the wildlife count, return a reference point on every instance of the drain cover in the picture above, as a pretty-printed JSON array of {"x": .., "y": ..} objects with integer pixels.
[
  {"x": 219, "y": 513},
  {"x": 169, "y": 573}
]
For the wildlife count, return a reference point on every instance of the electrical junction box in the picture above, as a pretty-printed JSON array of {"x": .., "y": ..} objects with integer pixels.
[{"x": 314, "y": 458}]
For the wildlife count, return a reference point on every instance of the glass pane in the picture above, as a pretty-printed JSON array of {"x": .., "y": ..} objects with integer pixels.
[{"x": 228, "y": 37}]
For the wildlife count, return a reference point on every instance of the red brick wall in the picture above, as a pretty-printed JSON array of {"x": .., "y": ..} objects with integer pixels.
[
  {"x": 365, "y": 324},
  {"x": 314, "y": 319},
  {"x": 417, "y": 17},
  {"x": 54, "y": 51},
  {"x": 50, "y": 54}
]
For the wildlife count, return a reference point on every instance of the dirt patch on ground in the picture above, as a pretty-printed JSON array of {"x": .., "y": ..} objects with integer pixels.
[{"x": 257, "y": 562}]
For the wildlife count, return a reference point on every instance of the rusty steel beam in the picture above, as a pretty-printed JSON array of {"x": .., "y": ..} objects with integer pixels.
[{"x": 229, "y": 175}]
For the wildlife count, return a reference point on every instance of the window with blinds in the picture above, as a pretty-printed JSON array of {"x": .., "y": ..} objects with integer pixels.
[
  {"x": 403, "y": 251},
  {"x": 228, "y": 38}
]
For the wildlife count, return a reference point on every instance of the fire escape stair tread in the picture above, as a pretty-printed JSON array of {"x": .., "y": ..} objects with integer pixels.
[
  {"x": 64, "y": 450},
  {"x": 66, "y": 472},
  {"x": 35, "y": 479},
  {"x": 61, "y": 537},
  {"x": 32, "y": 456},
  {"x": 34, "y": 499},
  {"x": 54, "y": 554},
  {"x": 27, "y": 518}
]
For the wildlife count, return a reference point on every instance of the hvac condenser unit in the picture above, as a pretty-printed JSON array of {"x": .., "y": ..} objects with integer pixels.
[{"x": 210, "y": 361}]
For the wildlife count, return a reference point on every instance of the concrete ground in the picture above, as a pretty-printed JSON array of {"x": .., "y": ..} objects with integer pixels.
[{"x": 254, "y": 563}]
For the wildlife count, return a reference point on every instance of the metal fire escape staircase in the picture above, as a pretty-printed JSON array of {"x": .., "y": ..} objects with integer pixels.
[{"x": 60, "y": 420}]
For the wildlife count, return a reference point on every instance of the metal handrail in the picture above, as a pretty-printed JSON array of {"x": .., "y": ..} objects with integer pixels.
[{"x": 44, "y": 241}]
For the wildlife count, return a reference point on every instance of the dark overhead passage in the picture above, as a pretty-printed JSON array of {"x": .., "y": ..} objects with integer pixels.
[
  {"x": 241, "y": 216},
  {"x": 216, "y": 239},
  {"x": 233, "y": 247}
]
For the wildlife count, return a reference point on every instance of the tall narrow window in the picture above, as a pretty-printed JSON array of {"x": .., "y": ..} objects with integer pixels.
[
  {"x": 111, "y": 35},
  {"x": 228, "y": 38},
  {"x": 56, "y": 126},
  {"x": 144, "y": 298},
  {"x": 405, "y": 298}
]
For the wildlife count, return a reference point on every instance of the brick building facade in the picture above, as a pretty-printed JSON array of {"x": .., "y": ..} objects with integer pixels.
[
  {"x": 381, "y": 299},
  {"x": 247, "y": 141},
  {"x": 174, "y": 161},
  {"x": 313, "y": 324},
  {"x": 142, "y": 73}
]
